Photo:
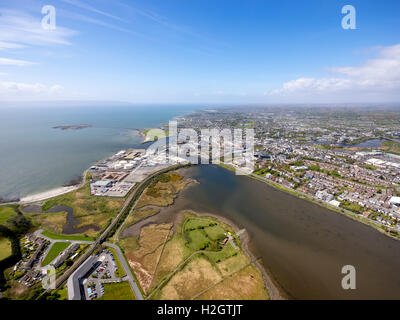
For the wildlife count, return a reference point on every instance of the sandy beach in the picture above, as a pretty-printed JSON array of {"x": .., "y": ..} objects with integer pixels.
[{"x": 47, "y": 194}]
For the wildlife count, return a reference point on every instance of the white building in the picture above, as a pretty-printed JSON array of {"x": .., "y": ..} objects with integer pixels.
[{"x": 395, "y": 201}]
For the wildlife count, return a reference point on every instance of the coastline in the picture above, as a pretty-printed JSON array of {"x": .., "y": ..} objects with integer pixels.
[
  {"x": 275, "y": 292},
  {"x": 167, "y": 214},
  {"x": 55, "y": 192},
  {"x": 346, "y": 213},
  {"x": 45, "y": 195}
]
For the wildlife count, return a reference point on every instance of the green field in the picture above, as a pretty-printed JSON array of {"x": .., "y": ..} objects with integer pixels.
[
  {"x": 203, "y": 234},
  {"x": 63, "y": 292},
  {"x": 117, "y": 291},
  {"x": 5, "y": 248},
  {"x": 55, "y": 250},
  {"x": 52, "y": 222},
  {"x": 55, "y": 236},
  {"x": 163, "y": 190},
  {"x": 192, "y": 261},
  {"x": 6, "y": 213},
  {"x": 140, "y": 214},
  {"x": 197, "y": 240},
  {"x": 88, "y": 209},
  {"x": 391, "y": 146}
]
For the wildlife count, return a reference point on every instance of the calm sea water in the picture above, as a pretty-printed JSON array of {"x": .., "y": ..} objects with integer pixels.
[{"x": 35, "y": 157}]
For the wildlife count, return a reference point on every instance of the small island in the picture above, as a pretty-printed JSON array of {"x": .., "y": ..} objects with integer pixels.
[{"x": 73, "y": 127}]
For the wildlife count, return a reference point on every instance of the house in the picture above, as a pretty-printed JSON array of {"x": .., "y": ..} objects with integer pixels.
[
  {"x": 395, "y": 201},
  {"x": 334, "y": 203}
]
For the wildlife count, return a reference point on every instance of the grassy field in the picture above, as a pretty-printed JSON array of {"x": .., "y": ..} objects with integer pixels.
[
  {"x": 140, "y": 214},
  {"x": 163, "y": 191},
  {"x": 54, "y": 251},
  {"x": 5, "y": 248},
  {"x": 117, "y": 291},
  {"x": 52, "y": 222},
  {"x": 175, "y": 252},
  {"x": 191, "y": 262},
  {"x": 66, "y": 237},
  {"x": 195, "y": 277},
  {"x": 6, "y": 212},
  {"x": 88, "y": 209},
  {"x": 391, "y": 147},
  {"x": 63, "y": 292},
  {"x": 203, "y": 234},
  {"x": 144, "y": 258},
  {"x": 247, "y": 284}
]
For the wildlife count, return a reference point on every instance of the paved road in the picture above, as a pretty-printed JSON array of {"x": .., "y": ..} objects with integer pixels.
[
  {"x": 52, "y": 241},
  {"x": 39, "y": 233},
  {"x": 104, "y": 235},
  {"x": 127, "y": 270},
  {"x": 129, "y": 277}
]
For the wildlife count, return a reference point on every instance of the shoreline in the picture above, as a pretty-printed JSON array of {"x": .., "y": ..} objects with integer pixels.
[
  {"x": 52, "y": 193},
  {"x": 45, "y": 195},
  {"x": 275, "y": 292},
  {"x": 345, "y": 213}
]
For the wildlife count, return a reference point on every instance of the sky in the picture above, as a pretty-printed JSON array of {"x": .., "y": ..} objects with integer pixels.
[{"x": 200, "y": 51}]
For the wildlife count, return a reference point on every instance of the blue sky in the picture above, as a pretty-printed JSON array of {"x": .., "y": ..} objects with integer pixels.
[{"x": 200, "y": 51}]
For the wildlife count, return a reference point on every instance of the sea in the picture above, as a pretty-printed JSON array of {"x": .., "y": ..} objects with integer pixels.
[
  {"x": 35, "y": 157},
  {"x": 302, "y": 245}
]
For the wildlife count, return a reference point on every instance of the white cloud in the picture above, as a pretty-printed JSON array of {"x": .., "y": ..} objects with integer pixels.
[
  {"x": 10, "y": 45},
  {"x": 15, "y": 62},
  {"x": 18, "y": 29},
  {"x": 3, "y": 73},
  {"x": 379, "y": 76},
  {"x": 20, "y": 90}
]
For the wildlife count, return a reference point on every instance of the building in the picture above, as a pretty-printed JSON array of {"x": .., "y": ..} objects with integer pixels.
[
  {"x": 74, "y": 283},
  {"x": 65, "y": 255},
  {"x": 102, "y": 184},
  {"x": 334, "y": 203},
  {"x": 395, "y": 201}
]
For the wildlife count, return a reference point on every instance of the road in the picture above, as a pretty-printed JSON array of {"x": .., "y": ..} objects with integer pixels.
[
  {"x": 52, "y": 241},
  {"x": 303, "y": 195},
  {"x": 129, "y": 277},
  {"x": 131, "y": 280},
  {"x": 139, "y": 189}
]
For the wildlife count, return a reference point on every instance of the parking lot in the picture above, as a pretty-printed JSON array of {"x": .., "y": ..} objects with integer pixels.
[{"x": 104, "y": 273}]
